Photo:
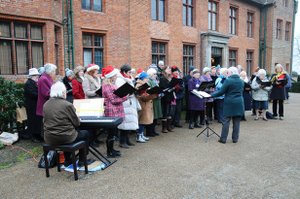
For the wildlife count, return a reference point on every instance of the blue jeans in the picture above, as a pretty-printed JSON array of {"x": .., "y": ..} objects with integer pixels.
[{"x": 235, "y": 129}]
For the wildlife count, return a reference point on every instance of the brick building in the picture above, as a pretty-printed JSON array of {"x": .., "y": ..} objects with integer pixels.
[{"x": 183, "y": 33}]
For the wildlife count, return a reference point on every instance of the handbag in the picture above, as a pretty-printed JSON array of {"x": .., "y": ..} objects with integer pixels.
[
  {"x": 21, "y": 113},
  {"x": 52, "y": 160}
]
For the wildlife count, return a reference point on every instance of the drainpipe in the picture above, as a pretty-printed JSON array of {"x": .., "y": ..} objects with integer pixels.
[
  {"x": 63, "y": 27},
  {"x": 260, "y": 38},
  {"x": 68, "y": 32},
  {"x": 293, "y": 34},
  {"x": 72, "y": 33},
  {"x": 265, "y": 36}
]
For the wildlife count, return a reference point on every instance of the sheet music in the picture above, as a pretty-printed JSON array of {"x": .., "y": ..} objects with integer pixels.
[
  {"x": 201, "y": 94},
  {"x": 89, "y": 107}
]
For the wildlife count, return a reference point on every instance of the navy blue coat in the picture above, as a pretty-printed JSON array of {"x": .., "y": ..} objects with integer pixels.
[{"x": 232, "y": 88}]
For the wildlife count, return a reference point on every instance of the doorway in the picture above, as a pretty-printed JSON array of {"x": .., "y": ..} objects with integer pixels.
[{"x": 216, "y": 56}]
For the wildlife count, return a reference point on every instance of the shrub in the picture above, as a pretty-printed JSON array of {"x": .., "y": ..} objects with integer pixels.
[
  {"x": 295, "y": 87},
  {"x": 11, "y": 93}
]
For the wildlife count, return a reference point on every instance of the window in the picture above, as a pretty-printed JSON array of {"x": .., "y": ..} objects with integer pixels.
[
  {"x": 250, "y": 24},
  {"x": 285, "y": 3},
  {"x": 56, "y": 44},
  {"x": 287, "y": 31},
  {"x": 158, "y": 10},
  {"x": 287, "y": 67},
  {"x": 232, "y": 58},
  {"x": 279, "y": 29},
  {"x": 232, "y": 20},
  {"x": 92, "y": 49},
  {"x": 212, "y": 15},
  {"x": 95, "y": 5},
  {"x": 188, "y": 57},
  {"x": 249, "y": 61},
  {"x": 158, "y": 52},
  {"x": 21, "y": 50},
  {"x": 187, "y": 12}
]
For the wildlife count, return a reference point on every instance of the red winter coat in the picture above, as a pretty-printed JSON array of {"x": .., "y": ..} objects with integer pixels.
[{"x": 77, "y": 89}]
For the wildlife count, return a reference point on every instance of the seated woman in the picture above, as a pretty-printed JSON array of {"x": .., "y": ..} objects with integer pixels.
[
  {"x": 61, "y": 121},
  {"x": 260, "y": 93}
]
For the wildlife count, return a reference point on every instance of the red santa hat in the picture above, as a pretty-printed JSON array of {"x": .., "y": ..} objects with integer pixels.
[
  {"x": 109, "y": 71},
  {"x": 92, "y": 67}
]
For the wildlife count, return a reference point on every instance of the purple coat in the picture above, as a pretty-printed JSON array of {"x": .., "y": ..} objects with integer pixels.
[
  {"x": 195, "y": 103},
  {"x": 44, "y": 84}
]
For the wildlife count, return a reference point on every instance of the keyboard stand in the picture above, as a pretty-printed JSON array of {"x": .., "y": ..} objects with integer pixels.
[{"x": 101, "y": 157}]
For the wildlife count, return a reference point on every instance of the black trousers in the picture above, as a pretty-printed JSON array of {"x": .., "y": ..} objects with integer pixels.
[
  {"x": 83, "y": 135},
  {"x": 194, "y": 115},
  {"x": 280, "y": 102}
]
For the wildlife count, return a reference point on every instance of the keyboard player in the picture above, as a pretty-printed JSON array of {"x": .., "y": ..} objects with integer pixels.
[{"x": 61, "y": 122}]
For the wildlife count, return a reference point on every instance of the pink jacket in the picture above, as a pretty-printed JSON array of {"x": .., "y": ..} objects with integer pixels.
[{"x": 44, "y": 84}]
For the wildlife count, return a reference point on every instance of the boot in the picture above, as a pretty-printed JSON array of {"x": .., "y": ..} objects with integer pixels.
[
  {"x": 123, "y": 143},
  {"x": 144, "y": 137},
  {"x": 191, "y": 125},
  {"x": 128, "y": 140},
  {"x": 150, "y": 130},
  {"x": 164, "y": 126},
  {"x": 110, "y": 149},
  {"x": 140, "y": 139},
  {"x": 169, "y": 125}
]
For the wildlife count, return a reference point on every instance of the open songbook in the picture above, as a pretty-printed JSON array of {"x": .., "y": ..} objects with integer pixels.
[{"x": 201, "y": 94}]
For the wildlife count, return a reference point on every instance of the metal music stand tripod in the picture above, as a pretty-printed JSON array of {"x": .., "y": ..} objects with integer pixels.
[{"x": 207, "y": 128}]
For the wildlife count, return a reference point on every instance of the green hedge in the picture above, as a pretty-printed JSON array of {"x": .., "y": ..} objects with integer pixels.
[
  {"x": 295, "y": 87},
  {"x": 10, "y": 94}
]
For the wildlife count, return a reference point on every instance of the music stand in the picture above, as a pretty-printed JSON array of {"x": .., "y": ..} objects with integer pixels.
[{"x": 207, "y": 128}]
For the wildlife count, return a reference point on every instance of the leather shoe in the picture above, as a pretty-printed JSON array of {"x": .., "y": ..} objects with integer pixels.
[
  {"x": 191, "y": 126},
  {"x": 221, "y": 141},
  {"x": 234, "y": 141},
  {"x": 197, "y": 126},
  {"x": 125, "y": 146}
]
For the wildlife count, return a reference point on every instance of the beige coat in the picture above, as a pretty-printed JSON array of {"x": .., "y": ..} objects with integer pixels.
[
  {"x": 146, "y": 114},
  {"x": 90, "y": 86}
]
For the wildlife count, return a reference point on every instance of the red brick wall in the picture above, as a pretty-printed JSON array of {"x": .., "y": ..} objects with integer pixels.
[{"x": 46, "y": 12}]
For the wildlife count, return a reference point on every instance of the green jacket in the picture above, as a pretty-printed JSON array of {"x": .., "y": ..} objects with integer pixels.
[
  {"x": 157, "y": 111},
  {"x": 232, "y": 88}
]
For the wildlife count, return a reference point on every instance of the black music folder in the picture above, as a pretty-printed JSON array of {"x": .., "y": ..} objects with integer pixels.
[
  {"x": 174, "y": 81},
  {"x": 124, "y": 90},
  {"x": 206, "y": 85},
  {"x": 99, "y": 91},
  {"x": 267, "y": 83},
  {"x": 247, "y": 86},
  {"x": 155, "y": 90}
]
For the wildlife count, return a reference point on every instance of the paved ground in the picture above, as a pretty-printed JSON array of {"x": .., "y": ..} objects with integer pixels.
[{"x": 265, "y": 163}]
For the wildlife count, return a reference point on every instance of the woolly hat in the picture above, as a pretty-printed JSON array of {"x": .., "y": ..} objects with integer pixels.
[
  {"x": 33, "y": 72},
  {"x": 154, "y": 66},
  {"x": 174, "y": 69},
  {"x": 195, "y": 71},
  {"x": 205, "y": 70},
  {"x": 125, "y": 68},
  {"x": 109, "y": 71},
  {"x": 92, "y": 67},
  {"x": 78, "y": 69},
  {"x": 69, "y": 72},
  {"x": 191, "y": 68},
  {"x": 41, "y": 70},
  {"x": 143, "y": 75}
]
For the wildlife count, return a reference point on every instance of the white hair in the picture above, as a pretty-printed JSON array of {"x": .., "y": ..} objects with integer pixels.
[
  {"x": 151, "y": 71},
  {"x": 206, "y": 70},
  {"x": 233, "y": 70},
  {"x": 50, "y": 68},
  {"x": 261, "y": 72},
  {"x": 161, "y": 62},
  {"x": 58, "y": 89},
  {"x": 223, "y": 71}
]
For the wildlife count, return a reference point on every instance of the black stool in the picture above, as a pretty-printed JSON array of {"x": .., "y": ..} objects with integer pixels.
[{"x": 66, "y": 148}]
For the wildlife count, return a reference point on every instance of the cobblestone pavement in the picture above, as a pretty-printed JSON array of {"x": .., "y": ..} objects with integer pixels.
[{"x": 265, "y": 163}]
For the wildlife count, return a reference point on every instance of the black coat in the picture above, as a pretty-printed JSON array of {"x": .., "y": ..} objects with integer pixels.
[
  {"x": 278, "y": 90},
  {"x": 69, "y": 88},
  {"x": 31, "y": 97}
]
